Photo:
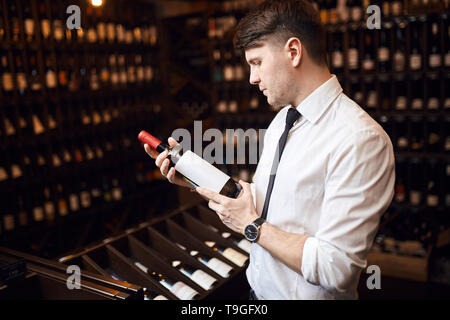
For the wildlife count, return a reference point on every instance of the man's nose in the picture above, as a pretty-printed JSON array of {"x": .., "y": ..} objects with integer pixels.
[{"x": 254, "y": 78}]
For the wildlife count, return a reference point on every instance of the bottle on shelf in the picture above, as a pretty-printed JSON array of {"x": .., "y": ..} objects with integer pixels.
[
  {"x": 400, "y": 185},
  {"x": 368, "y": 63},
  {"x": 433, "y": 135},
  {"x": 433, "y": 185},
  {"x": 7, "y": 78},
  {"x": 399, "y": 45},
  {"x": 384, "y": 46},
  {"x": 44, "y": 21},
  {"x": 401, "y": 129},
  {"x": 415, "y": 54},
  {"x": 337, "y": 56},
  {"x": 434, "y": 92},
  {"x": 35, "y": 78},
  {"x": 417, "y": 134},
  {"x": 400, "y": 87},
  {"x": 417, "y": 92},
  {"x": 196, "y": 171},
  {"x": 353, "y": 51},
  {"x": 229, "y": 253},
  {"x": 14, "y": 24},
  {"x": 181, "y": 290},
  {"x": 434, "y": 45},
  {"x": 213, "y": 263},
  {"x": 28, "y": 22},
  {"x": 416, "y": 183}
]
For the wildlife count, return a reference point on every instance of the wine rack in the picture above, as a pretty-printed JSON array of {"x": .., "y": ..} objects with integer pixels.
[{"x": 71, "y": 105}]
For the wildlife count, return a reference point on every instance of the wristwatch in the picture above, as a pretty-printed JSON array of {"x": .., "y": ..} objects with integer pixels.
[{"x": 251, "y": 231}]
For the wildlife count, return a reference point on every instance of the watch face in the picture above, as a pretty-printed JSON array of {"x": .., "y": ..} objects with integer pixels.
[{"x": 251, "y": 232}]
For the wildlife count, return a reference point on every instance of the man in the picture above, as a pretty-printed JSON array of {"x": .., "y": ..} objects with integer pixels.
[{"x": 322, "y": 200}]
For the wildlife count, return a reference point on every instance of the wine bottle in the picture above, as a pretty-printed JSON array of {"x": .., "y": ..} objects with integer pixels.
[
  {"x": 400, "y": 93},
  {"x": 369, "y": 60},
  {"x": 417, "y": 134},
  {"x": 353, "y": 51},
  {"x": 242, "y": 243},
  {"x": 402, "y": 134},
  {"x": 337, "y": 59},
  {"x": 229, "y": 253},
  {"x": 433, "y": 184},
  {"x": 28, "y": 22},
  {"x": 384, "y": 64},
  {"x": 214, "y": 264},
  {"x": 417, "y": 93},
  {"x": 434, "y": 55},
  {"x": 45, "y": 22},
  {"x": 178, "y": 288},
  {"x": 199, "y": 276},
  {"x": 399, "y": 46},
  {"x": 7, "y": 79},
  {"x": 196, "y": 171},
  {"x": 13, "y": 17},
  {"x": 434, "y": 92},
  {"x": 416, "y": 184},
  {"x": 150, "y": 295},
  {"x": 400, "y": 187},
  {"x": 415, "y": 56}
]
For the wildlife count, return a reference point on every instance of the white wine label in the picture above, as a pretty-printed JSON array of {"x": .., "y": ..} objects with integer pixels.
[
  {"x": 432, "y": 200},
  {"x": 7, "y": 81},
  {"x": 233, "y": 106},
  {"x": 45, "y": 28},
  {"x": 220, "y": 267},
  {"x": 228, "y": 73},
  {"x": 117, "y": 193},
  {"x": 352, "y": 58},
  {"x": 62, "y": 207},
  {"x": 21, "y": 81},
  {"x": 8, "y": 222},
  {"x": 338, "y": 59},
  {"x": 3, "y": 174},
  {"x": 415, "y": 197},
  {"x": 368, "y": 64},
  {"x": 415, "y": 61},
  {"x": 433, "y": 103},
  {"x": 49, "y": 210},
  {"x": 37, "y": 124},
  {"x": 16, "y": 172},
  {"x": 29, "y": 27},
  {"x": 73, "y": 201},
  {"x": 417, "y": 103},
  {"x": 110, "y": 32},
  {"x": 85, "y": 199},
  {"x": 38, "y": 213},
  {"x": 58, "y": 31},
  {"x": 435, "y": 60},
  {"x": 356, "y": 13},
  {"x": 160, "y": 297},
  {"x": 183, "y": 291},
  {"x": 101, "y": 30},
  {"x": 372, "y": 99},
  {"x": 203, "y": 279},
  {"x": 201, "y": 172},
  {"x": 402, "y": 142},
  {"x": 222, "y": 106},
  {"x": 50, "y": 78},
  {"x": 235, "y": 256},
  {"x": 245, "y": 245},
  {"x": 399, "y": 61},
  {"x": 383, "y": 54},
  {"x": 401, "y": 103},
  {"x": 447, "y": 59}
]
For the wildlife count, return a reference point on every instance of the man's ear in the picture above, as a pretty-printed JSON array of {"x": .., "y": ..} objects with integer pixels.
[{"x": 294, "y": 49}]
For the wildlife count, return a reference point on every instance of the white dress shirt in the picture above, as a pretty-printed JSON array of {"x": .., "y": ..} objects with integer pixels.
[{"x": 334, "y": 180}]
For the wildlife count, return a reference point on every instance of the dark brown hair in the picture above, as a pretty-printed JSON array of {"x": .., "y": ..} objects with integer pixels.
[{"x": 280, "y": 20}]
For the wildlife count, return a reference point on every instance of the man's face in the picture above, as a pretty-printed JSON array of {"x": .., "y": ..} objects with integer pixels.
[{"x": 270, "y": 69}]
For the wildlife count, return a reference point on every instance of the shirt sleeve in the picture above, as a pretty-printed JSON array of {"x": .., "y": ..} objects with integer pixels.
[{"x": 359, "y": 187}]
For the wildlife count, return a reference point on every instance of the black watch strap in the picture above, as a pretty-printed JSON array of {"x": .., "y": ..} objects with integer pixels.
[{"x": 259, "y": 221}]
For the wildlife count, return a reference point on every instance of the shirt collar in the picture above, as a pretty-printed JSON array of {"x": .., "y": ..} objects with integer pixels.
[{"x": 315, "y": 105}]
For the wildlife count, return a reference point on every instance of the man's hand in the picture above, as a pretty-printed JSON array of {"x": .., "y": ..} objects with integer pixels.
[
  {"x": 234, "y": 213},
  {"x": 162, "y": 162}
]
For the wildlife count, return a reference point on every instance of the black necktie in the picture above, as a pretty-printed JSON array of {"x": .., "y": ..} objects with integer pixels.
[{"x": 291, "y": 117}]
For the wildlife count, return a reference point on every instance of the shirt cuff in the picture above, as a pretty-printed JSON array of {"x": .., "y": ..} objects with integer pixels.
[{"x": 309, "y": 260}]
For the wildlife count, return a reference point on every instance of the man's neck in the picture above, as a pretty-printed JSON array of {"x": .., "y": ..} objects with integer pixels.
[{"x": 312, "y": 78}]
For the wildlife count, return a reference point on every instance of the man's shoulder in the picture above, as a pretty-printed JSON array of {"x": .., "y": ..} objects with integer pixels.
[{"x": 352, "y": 120}]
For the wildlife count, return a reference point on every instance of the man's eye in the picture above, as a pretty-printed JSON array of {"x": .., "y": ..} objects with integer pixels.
[{"x": 257, "y": 63}]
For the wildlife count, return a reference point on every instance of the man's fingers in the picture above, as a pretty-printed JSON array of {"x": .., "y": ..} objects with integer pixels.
[
  {"x": 159, "y": 160},
  {"x": 172, "y": 142},
  {"x": 164, "y": 167},
  {"x": 171, "y": 175},
  {"x": 152, "y": 153},
  {"x": 211, "y": 195}
]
